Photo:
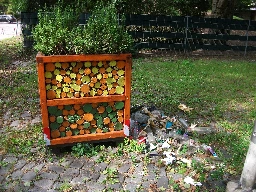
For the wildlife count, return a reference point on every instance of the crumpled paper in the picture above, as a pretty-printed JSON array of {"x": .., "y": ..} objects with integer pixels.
[
  {"x": 191, "y": 181},
  {"x": 170, "y": 158}
]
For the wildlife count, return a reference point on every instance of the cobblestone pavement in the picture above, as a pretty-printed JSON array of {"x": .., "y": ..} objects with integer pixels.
[{"x": 80, "y": 174}]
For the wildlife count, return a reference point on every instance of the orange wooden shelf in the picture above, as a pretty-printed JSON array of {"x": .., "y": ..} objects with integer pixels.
[
  {"x": 88, "y": 137},
  {"x": 52, "y": 70},
  {"x": 95, "y": 99}
]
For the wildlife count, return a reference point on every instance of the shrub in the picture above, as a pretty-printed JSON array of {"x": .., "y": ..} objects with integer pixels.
[{"x": 58, "y": 32}]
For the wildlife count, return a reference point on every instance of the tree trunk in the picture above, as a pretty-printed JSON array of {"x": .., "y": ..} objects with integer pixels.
[{"x": 222, "y": 9}]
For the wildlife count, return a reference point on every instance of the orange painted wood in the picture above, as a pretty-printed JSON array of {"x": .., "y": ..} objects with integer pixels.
[
  {"x": 128, "y": 74},
  {"x": 111, "y": 99},
  {"x": 83, "y": 100},
  {"x": 42, "y": 93},
  {"x": 88, "y": 137},
  {"x": 40, "y": 58}
]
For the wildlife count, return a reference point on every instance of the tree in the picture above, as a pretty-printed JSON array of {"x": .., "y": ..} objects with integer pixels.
[
  {"x": 223, "y": 8},
  {"x": 4, "y": 6}
]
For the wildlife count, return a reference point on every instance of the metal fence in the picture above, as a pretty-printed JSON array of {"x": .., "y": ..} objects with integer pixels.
[{"x": 181, "y": 33}]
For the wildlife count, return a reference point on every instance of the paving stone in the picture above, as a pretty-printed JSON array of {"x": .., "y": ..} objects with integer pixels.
[
  {"x": 47, "y": 175},
  {"x": 101, "y": 166},
  {"x": 113, "y": 165},
  {"x": 44, "y": 183},
  {"x": 95, "y": 187},
  {"x": 151, "y": 177},
  {"x": 8, "y": 186},
  {"x": 66, "y": 163},
  {"x": 36, "y": 189},
  {"x": 28, "y": 166},
  {"x": 36, "y": 120},
  {"x": 16, "y": 124},
  {"x": 38, "y": 167},
  {"x": 52, "y": 190},
  {"x": 31, "y": 175},
  {"x": 10, "y": 159},
  {"x": 69, "y": 173},
  {"x": 56, "y": 168},
  {"x": 102, "y": 178},
  {"x": 131, "y": 187},
  {"x": 145, "y": 185},
  {"x": 86, "y": 174},
  {"x": 162, "y": 172},
  {"x": 95, "y": 158},
  {"x": 77, "y": 181},
  {"x": 133, "y": 182},
  {"x": 177, "y": 176},
  {"x": 17, "y": 174},
  {"x": 57, "y": 185},
  {"x": 115, "y": 187},
  {"x": 20, "y": 164},
  {"x": 7, "y": 115},
  {"x": 1, "y": 178},
  {"x": 19, "y": 187},
  {"x": 76, "y": 164},
  {"x": 163, "y": 182},
  {"x": 124, "y": 168},
  {"x": 89, "y": 165},
  {"x": 120, "y": 178},
  {"x": 95, "y": 176},
  {"x": 5, "y": 170},
  {"x": 26, "y": 115}
]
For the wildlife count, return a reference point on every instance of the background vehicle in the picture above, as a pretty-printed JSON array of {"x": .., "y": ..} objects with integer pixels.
[{"x": 7, "y": 18}]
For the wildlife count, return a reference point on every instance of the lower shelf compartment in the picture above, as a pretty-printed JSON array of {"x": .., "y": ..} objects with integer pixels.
[{"x": 84, "y": 138}]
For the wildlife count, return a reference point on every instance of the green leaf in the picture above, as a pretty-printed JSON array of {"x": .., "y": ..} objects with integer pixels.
[
  {"x": 118, "y": 126},
  {"x": 86, "y": 125},
  {"x": 119, "y": 105},
  {"x": 95, "y": 70},
  {"x": 52, "y": 110},
  {"x": 56, "y": 72},
  {"x": 87, "y": 64},
  {"x": 58, "y": 65},
  {"x": 54, "y": 126},
  {"x": 87, "y": 108},
  {"x": 119, "y": 90},
  {"x": 59, "y": 78},
  {"x": 86, "y": 79},
  {"x": 112, "y": 63},
  {"x": 59, "y": 119},
  {"x": 48, "y": 75}
]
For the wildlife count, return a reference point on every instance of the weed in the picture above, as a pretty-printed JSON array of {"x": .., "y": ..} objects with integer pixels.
[
  {"x": 65, "y": 187},
  {"x": 131, "y": 146},
  {"x": 81, "y": 149},
  {"x": 3, "y": 164},
  {"x": 111, "y": 174},
  {"x": 184, "y": 149}
]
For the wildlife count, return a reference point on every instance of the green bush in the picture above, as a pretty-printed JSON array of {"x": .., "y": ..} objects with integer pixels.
[{"x": 58, "y": 32}]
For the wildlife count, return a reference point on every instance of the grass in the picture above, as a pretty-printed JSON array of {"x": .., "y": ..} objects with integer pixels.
[{"x": 219, "y": 90}]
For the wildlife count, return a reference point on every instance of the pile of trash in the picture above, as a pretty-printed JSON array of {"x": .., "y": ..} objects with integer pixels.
[{"x": 168, "y": 136}]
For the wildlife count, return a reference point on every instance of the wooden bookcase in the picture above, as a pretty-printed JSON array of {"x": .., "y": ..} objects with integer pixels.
[{"x": 84, "y": 97}]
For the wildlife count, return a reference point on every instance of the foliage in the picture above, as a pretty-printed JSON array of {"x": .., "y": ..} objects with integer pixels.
[
  {"x": 53, "y": 32},
  {"x": 3, "y": 5},
  {"x": 192, "y": 8},
  {"x": 36, "y": 5},
  {"x": 111, "y": 176},
  {"x": 104, "y": 33},
  {"x": 130, "y": 145},
  {"x": 58, "y": 32},
  {"x": 87, "y": 149}
]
